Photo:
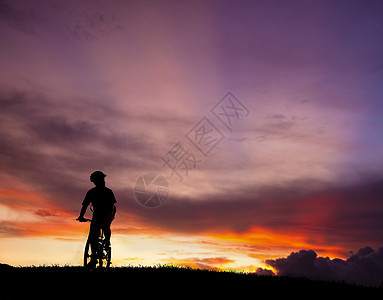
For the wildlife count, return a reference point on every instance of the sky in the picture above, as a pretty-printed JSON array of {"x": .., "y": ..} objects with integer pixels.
[{"x": 271, "y": 110}]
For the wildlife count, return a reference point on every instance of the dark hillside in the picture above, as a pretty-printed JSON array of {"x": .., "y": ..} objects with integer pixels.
[{"x": 130, "y": 282}]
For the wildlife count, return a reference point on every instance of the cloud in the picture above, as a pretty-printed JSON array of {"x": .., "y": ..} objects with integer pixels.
[
  {"x": 264, "y": 272},
  {"x": 67, "y": 20},
  {"x": 323, "y": 216},
  {"x": 58, "y": 144},
  {"x": 45, "y": 213},
  {"x": 365, "y": 267},
  {"x": 52, "y": 144},
  {"x": 10, "y": 230}
]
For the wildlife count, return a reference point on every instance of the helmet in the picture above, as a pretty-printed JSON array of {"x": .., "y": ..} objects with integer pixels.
[{"x": 95, "y": 175}]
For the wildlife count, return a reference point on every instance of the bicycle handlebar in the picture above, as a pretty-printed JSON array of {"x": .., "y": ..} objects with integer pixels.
[{"x": 84, "y": 220}]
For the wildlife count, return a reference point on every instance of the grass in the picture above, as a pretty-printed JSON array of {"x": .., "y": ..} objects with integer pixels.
[{"x": 63, "y": 282}]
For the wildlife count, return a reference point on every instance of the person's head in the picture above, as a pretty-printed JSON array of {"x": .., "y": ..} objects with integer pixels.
[{"x": 98, "y": 178}]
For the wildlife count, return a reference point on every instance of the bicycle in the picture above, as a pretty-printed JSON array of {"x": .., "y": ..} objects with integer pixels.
[{"x": 103, "y": 252}]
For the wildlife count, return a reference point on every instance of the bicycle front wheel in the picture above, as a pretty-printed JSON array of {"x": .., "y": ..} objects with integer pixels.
[
  {"x": 108, "y": 256},
  {"x": 87, "y": 254}
]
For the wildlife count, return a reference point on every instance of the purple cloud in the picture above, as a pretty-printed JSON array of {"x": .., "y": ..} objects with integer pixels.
[{"x": 365, "y": 267}]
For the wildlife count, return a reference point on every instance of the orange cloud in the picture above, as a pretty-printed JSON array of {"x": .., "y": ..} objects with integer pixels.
[{"x": 275, "y": 244}]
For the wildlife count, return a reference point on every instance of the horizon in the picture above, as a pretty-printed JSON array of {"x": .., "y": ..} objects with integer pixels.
[{"x": 289, "y": 93}]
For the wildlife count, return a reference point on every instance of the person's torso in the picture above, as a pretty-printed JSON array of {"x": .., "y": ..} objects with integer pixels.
[{"x": 102, "y": 200}]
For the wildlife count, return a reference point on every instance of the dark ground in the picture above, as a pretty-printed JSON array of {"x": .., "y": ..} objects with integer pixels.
[{"x": 55, "y": 282}]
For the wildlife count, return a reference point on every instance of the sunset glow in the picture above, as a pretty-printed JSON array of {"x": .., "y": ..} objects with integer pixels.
[{"x": 114, "y": 85}]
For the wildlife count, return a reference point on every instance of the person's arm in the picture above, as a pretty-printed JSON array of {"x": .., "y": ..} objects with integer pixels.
[
  {"x": 85, "y": 205},
  {"x": 82, "y": 212}
]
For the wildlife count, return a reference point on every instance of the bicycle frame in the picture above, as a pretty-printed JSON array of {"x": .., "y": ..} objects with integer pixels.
[{"x": 103, "y": 252}]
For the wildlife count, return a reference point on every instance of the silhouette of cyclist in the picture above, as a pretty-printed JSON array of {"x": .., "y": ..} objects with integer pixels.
[{"x": 103, "y": 200}]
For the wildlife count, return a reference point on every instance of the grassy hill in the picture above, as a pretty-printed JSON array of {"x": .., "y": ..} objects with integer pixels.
[{"x": 56, "y": 282}]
